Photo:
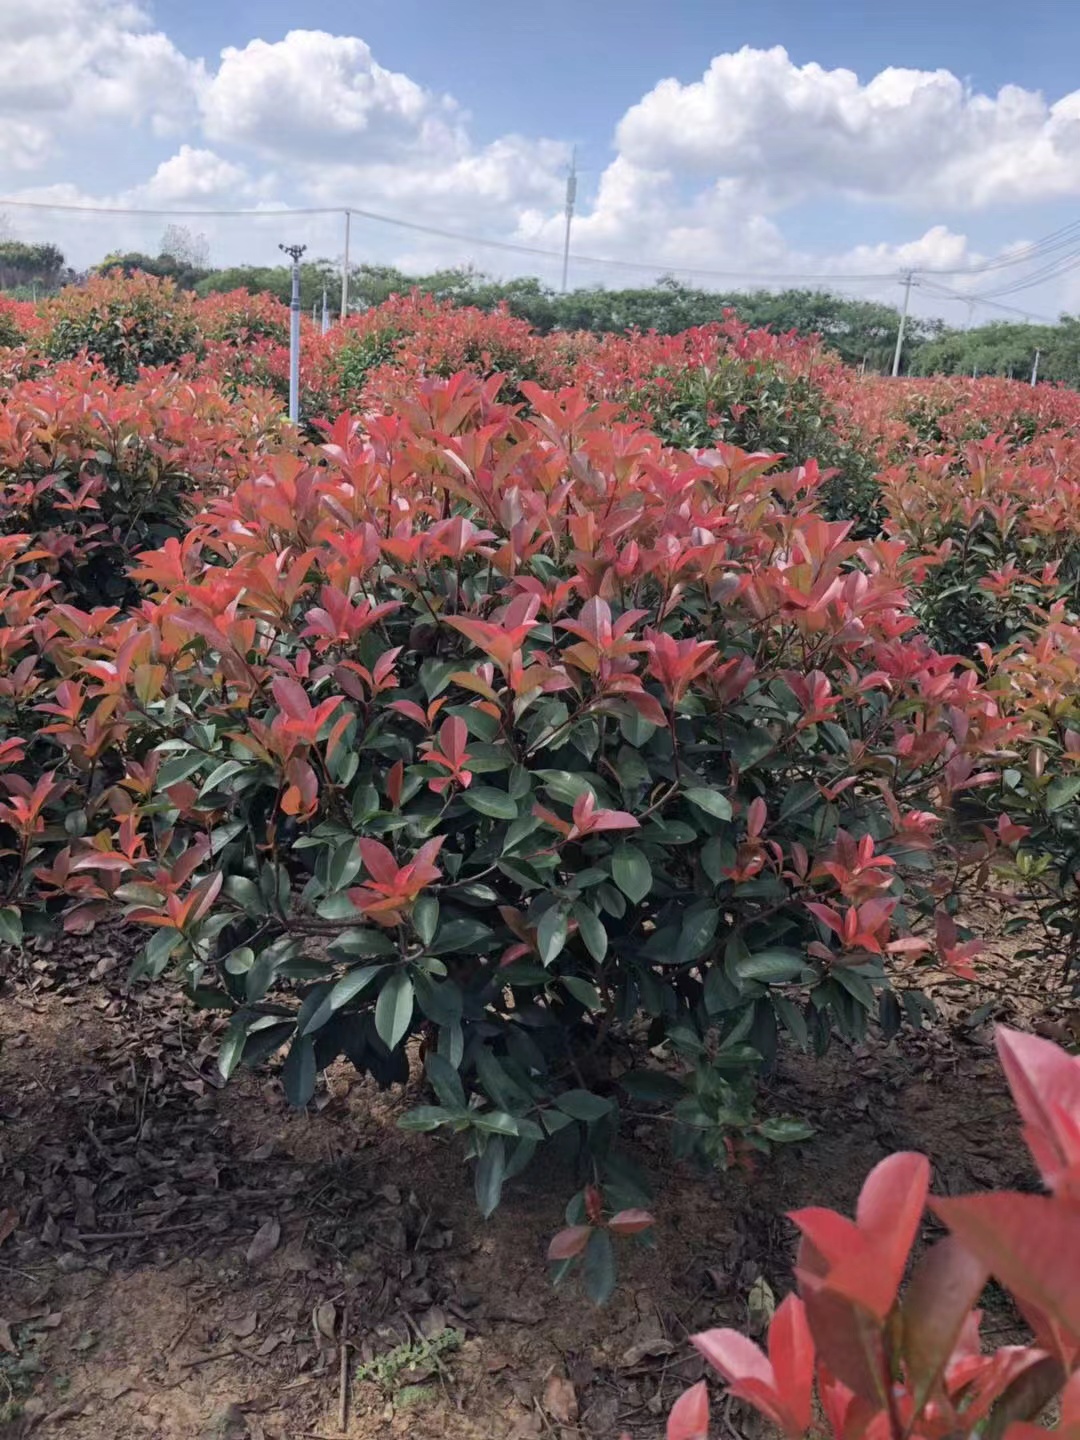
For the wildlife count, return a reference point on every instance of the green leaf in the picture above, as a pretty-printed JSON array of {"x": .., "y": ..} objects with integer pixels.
[
  {"x": 591, "y": 930},
  {"x": 772, "y": 966},
  {"x": 652, "y": 1086},
  {"x": 583, "y": 991},
  {"x": 551, "y": 934},
  {"x": 336, "y": 907},
  {"x": 394, "y": 1009},
  {"x": 351, "y": 985},
  {"x": 462, "y": 933},
  {"x": 598, "y": 1270},
  {"x": 445, "y": 1081},
  {"x": 232, "y": 1045},
  {"x": 441, "y": 1001},
  {"x": 583, "y": 1105},
  {"x": 11, "y": 928},
  {"x": 425, "y": 1117},
  {"x": 222, "y": 772},
  {"x": 631, "y": 872},
  {"x": 360, "y": 942},
  {"x": 425, "y": 918},
  {"x": 1060, "y": 791},
  {"x": 713, "y": 802},
  {"x": 246, "y": 894},
  {"x": 490, "y": 1173},
  {"x": 697, "y": 934},
  {"x": 565, "y": 786},
  {"x": 792, "y": 1019},
  {"x": 495, "y": 1122},
  {"x": 298, "y": 1072},
  {"x": 486, "y": 800},
  {"x": 783, "y": 1130},
  {"x": 315, "y": 1010},
  {"x": 181, "y": 767}
]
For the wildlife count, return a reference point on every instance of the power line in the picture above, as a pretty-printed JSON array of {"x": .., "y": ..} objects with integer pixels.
[
  {"x": 514, "y": 247},
  {"x": 944, "y": 292},
  {"x": 1057, "y": 240}
]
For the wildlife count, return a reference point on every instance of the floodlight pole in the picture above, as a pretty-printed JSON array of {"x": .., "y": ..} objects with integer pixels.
[
  {"x": 345, "y": 268},
  {"x": 294, "y": 252}
]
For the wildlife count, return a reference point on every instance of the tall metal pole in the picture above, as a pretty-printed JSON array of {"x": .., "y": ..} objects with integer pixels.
[
  {"x": 903, "y": 324},
  {"x": 345, "y": 268},
  {"x": 1035, "y": 367},
  {"x": 325, "y": 312},
  {"x": 294, "y": 251},
  {"x": 571, "y": 197}
]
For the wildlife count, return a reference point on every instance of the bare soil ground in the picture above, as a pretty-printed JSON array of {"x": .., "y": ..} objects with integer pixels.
[{"x": 184, "y": 1261}]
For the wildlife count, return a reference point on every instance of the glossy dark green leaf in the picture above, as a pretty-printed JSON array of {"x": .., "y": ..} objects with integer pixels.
[
  {"x": 598, "y": 1269},
  {"x": 298, "y": 1072},
  {"x": 495, "y": 804},
  {"x": 445, "y": 1081},
  {"x": 232, "y": 1044},
  {"x": 583, "y": 1105},
  {"x": 773, "y": 967},
  {"x": 490, "y": 1173},
  {"x": 353, "y": 984},
  {"x": 425, "y": 918},
  {"x": 394, "y": 1009},
  {"x": 551, "y": 934},
  {"x": 591, "y": 929},
  {"x": 631, "y": 871},
  {"x": 713, "y": 802}
]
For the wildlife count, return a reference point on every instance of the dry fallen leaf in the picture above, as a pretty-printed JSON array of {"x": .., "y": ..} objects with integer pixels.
[
  {"x": 7, "y": 1344},
  {"x": 9, "y": 1218},
  {"x": 265, "y": 1242},
  {"x": 324, "y": 1318},
  {"x": 245, "y": 1326},
  {"x": 647, "y": 1350},
  {"x": 560, "y": 1400}
]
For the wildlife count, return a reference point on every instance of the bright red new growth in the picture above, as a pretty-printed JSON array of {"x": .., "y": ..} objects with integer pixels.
[{"x": 891, "y": 1364}]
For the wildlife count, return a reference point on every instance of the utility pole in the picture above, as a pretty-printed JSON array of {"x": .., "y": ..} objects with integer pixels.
[
  {"x": 571, "y": 197},
  {"x": 908, "y": 281},
  {"x": 1035, "y": 367},
  {"x": 345, "y": 268},
  {"x": 325, "y": 312},
  {"x": 294, "y": 252}
]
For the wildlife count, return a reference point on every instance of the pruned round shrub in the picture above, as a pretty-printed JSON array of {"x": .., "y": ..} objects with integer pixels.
[
  {"x": 531, "y": 740},
  {"x": 127, "y": 322}
]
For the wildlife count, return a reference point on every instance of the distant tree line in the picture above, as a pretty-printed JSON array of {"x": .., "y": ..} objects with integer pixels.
[{"x": 862, "y": 332}]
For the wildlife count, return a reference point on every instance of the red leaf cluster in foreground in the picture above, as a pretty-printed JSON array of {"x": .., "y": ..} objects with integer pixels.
[{"x": 892, "y": 1361}]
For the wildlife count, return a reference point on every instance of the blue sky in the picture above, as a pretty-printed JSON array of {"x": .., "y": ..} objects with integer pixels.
[{"x": 751, "y": 140}]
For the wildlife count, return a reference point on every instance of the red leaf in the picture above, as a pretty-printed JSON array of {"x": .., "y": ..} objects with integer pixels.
[
  {"x": 689, "y": 1418},
  {"x": 791, "y": 1354},
  {"x": 631, "y": 1222},
  {"x": 1045, "y": 1084},
  {"x": 570, "y": 1242},
  {"x": 1031, "y": 1243},
  {"x": 947, "y": 1282}
]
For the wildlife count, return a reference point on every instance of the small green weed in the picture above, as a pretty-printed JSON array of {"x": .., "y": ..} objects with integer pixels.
[
  {"x": 18, "y": 1372},
  {"x": 419, "y": 1356}
]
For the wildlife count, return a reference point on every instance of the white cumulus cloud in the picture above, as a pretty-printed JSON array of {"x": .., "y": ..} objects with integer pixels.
[{"x": 904, "y": 135}]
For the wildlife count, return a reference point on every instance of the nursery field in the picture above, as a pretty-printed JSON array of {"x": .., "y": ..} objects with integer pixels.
[{"x": 564, "y": 805}]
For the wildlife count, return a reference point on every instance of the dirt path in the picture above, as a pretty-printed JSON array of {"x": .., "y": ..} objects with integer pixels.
[{"x": 184, "y": 1261}]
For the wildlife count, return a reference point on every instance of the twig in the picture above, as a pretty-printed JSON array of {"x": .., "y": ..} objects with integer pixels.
[
  {"x": 91, "y": 1237},
  {"x": 181, "y": 1332},
  {"x": 223, "y": 1355},
  {"x": 343, "y": 1381}
]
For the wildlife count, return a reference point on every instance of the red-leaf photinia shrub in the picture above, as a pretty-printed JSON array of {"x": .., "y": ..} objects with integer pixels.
[
  {"x": 495, "y": 728},
  {"x": 890, "y": 1354},
  {"x": 506, "y": 731}
]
